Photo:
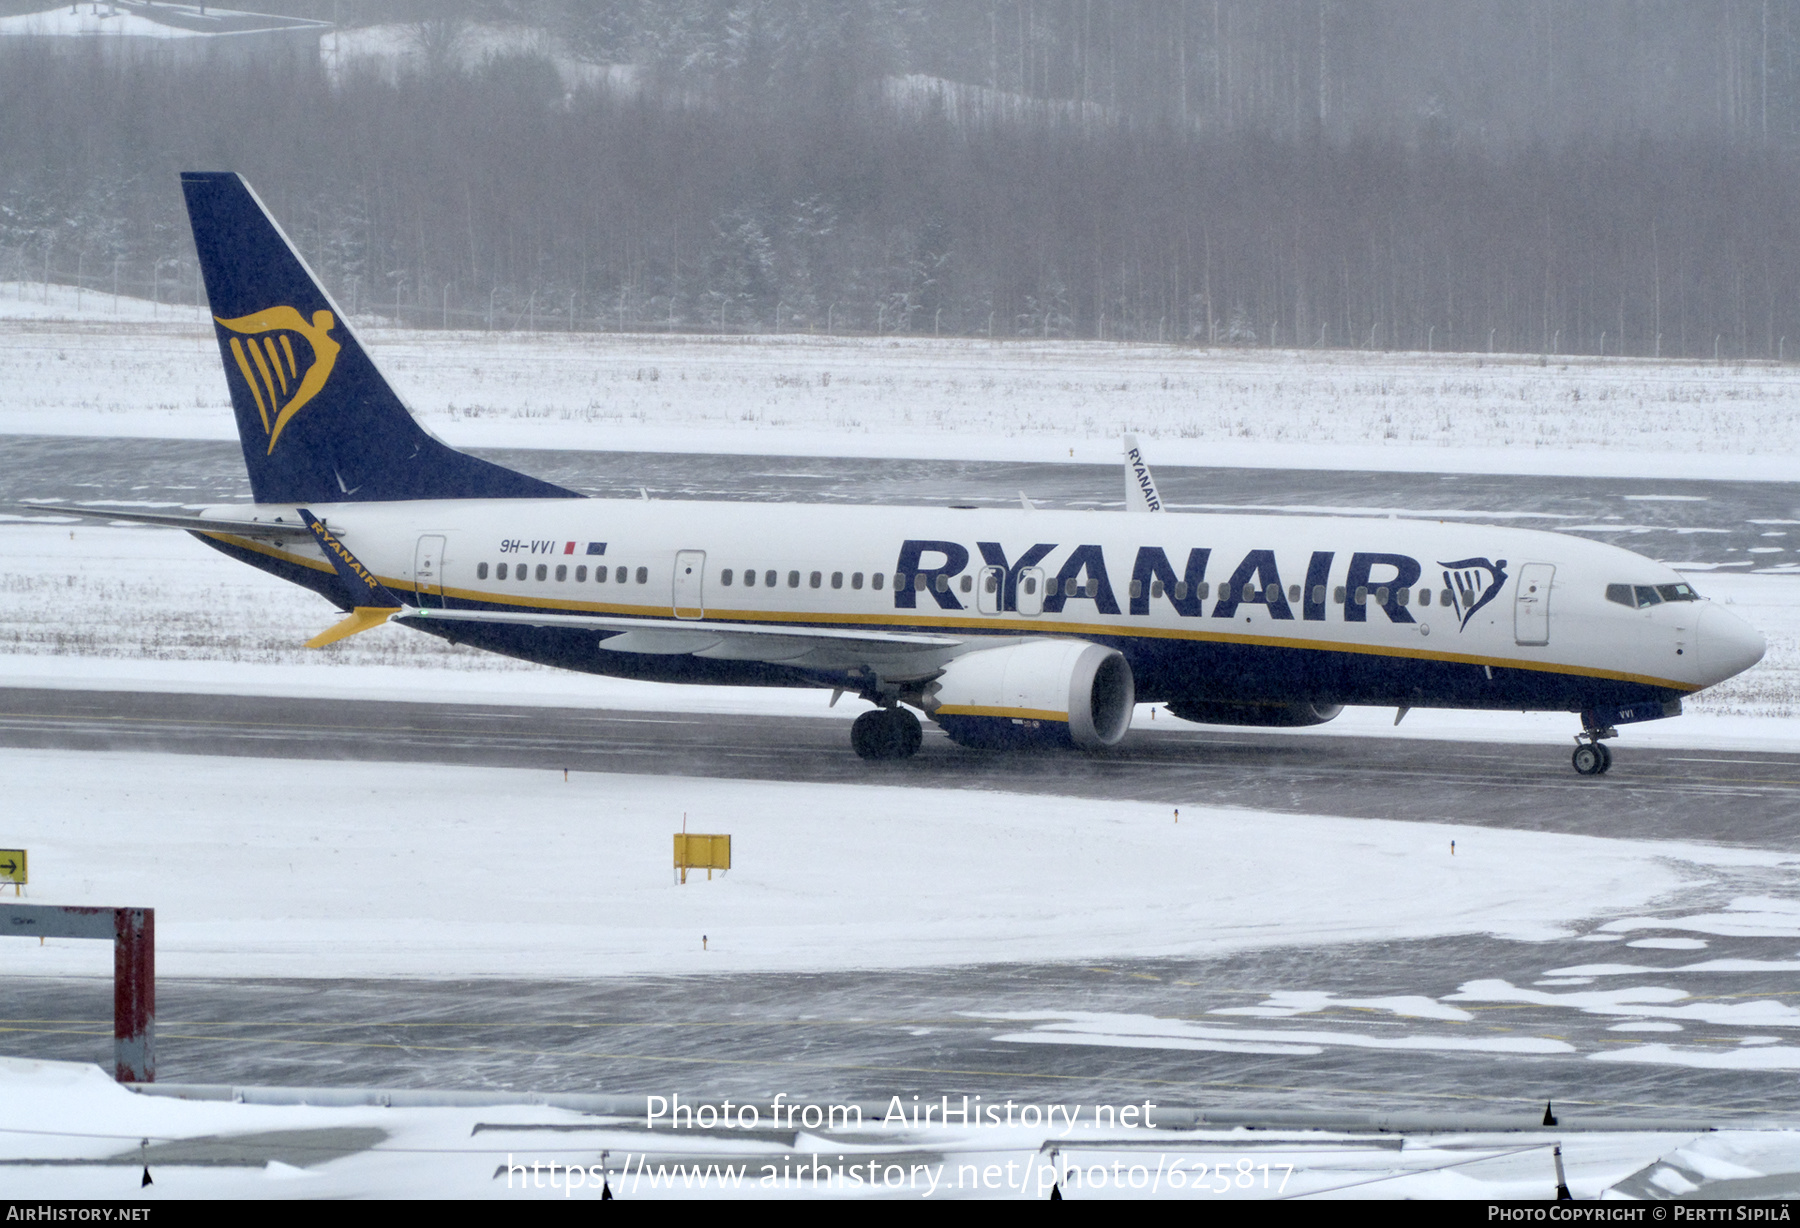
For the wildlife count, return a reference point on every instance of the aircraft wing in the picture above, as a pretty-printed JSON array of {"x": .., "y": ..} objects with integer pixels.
[
  {"x": 804, "y": 647},
  {"x": 194, "y": 524}
]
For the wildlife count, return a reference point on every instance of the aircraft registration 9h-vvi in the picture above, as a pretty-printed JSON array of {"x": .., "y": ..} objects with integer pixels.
[{"x": 1006, "y": 627}]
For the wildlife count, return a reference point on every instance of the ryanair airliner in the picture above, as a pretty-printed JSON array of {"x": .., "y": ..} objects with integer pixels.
[{"x": 1006, "y": 627}]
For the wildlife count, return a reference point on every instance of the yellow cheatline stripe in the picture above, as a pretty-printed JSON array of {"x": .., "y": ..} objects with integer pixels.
[
  {"x": 237, "y": 352},
  {"x": 275, "y": 362},
  {"x": 256, "y": 356},
  {"x": 1028, "y": 714},
  {"x": 798, "y": 622},
  {"x": 287, "y": 348}
]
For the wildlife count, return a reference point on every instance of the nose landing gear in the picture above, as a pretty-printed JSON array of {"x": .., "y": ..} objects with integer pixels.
[
  {"x": 886, "y": 733},
  {"x": 1591, "y": 757}
]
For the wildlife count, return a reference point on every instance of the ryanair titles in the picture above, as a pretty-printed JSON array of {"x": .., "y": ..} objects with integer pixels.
[{"x": 1023, "y": 583}]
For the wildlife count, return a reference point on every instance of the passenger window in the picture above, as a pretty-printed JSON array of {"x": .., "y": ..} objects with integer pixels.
[
  {"x": 1444, "y": 597},
  {"x": 1137, "y": 588},
  {"x": 1156, "y": 588},
  {"x": 1203, "y": 592},
  {"x": 1030, "y": 585},
  {"x": 749, "y": 577},
  {"x": 992, "y": 583},
  {"x": 769, "y": 578},
  {"x": 815, "y": 580},
  {"x": 1403, "y": 596},
  {"x": 1424, "y": 596},
  {"x": 500, "y": 572},
  {"x": 837, "y": 579},
  {"x": 619, "y": 575},
  {"x": 1249, "y": 592},
  {"x": 919, "y": 581},
  {"x": 1069, "y": 587},
  {"x": 968, "y": 583},
  {"x": 876, "y": 580},
  {"x": 599, "y": 575},
  {"x": 1181, "y": 590},
  {"x": 1338, "y": 596},
  {"x": 943, "y": 584},
  {"x": 856, "y": 580},
  {"x": 1362, "y": 595},
  {"x": 1381, "y": 596},
  {"x": 581, "y": 575},
  {"x": 1272, "y": 594},
  {"x": 562, "y": 572},
  {"x": 481, "y": 571},
  {"x": 643, "y": 576},
  {"x": 725, "y": 577},
  {"x": 793, "y": 579},
  {"x": 1318, "y": 594},
  {"x": 543, "y": 572},
  {"x": 1293, "y": 592},
  {"x": 1646, "y": 595}
]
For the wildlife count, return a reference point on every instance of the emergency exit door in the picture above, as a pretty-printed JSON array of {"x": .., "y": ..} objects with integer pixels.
[{"x": 690, "y": 573}]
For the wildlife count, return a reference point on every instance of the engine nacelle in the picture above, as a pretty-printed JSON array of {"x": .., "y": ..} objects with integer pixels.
[
  {"x": 1207, "y": 712},
  {"x": 1054, "y": 692}
]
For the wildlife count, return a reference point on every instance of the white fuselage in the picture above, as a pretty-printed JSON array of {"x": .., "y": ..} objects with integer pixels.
[{"x": 1338, "y": 609}]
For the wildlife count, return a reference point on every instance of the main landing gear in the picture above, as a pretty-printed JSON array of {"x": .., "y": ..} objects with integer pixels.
[
  {"x": 886, "y": 733},
  {"x": 1591, "y": 757}
]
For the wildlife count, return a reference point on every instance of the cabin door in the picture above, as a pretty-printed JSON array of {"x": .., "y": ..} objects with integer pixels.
[
  {"x": 1531, "y": 604},
  {"x": 690, "y": 570},
  {"x": 428, "y": 572}
]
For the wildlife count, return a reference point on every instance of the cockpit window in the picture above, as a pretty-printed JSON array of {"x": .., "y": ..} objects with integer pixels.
[{"x": 1638, "y": 596}]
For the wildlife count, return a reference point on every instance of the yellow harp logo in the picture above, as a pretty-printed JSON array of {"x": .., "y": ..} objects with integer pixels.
[{"x": 264, "y": 349}]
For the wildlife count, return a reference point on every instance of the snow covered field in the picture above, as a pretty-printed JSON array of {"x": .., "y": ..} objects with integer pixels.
[
  {"x": 298, "y": 868},
  {"x": 82, "y": 370},
  {"x": 67, "y": 1112}
]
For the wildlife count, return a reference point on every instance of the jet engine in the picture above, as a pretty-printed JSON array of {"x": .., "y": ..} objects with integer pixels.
[
  {"x": 1040, "y": 692},
  {"x": 1208, "y": 712}
]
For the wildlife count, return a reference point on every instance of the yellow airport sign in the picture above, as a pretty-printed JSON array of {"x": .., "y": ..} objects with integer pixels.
[
  {"x": 694, "y": 851},
  {"x": 12, "y": 866}
]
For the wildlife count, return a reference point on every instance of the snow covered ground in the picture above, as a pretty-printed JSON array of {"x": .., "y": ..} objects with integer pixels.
[
  {"x": 154, "y": 371},
  {"x": 94, "y": 1137},
  {"x": 302, "y": 868}
]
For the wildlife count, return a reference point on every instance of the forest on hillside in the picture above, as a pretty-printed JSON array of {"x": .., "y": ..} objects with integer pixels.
[{"x": 1543, "y": 176}]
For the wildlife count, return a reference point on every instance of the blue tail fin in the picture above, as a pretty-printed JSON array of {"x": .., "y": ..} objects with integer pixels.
[{"x": 317, "y": 421}]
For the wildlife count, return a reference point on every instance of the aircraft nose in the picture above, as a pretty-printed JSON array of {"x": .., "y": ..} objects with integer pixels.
[{"x": 1728, "y": 644}]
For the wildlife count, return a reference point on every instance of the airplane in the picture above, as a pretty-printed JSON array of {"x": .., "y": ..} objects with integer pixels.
[{"x": 1006, "y": 627}]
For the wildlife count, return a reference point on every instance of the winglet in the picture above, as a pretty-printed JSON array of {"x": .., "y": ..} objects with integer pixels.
[
  {"x": 373, "y": 603},
  {"x": 1140, "y": 487}
]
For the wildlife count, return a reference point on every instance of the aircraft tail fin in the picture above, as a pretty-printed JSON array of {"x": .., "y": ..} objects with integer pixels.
[{"x": 317, "y": 420}]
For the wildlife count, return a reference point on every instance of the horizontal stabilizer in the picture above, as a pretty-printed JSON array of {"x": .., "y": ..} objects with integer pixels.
[
  {"x": 274, "y": 529},
  {"x": 362, "y": 618}
]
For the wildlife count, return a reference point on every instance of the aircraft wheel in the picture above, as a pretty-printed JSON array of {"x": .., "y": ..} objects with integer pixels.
[
  {"x": 1587, "y": 759},
  {"x": 1605, "y": 757},
  {"x": 909, "y": 735},
  {"x": 886, "y": 733}
]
